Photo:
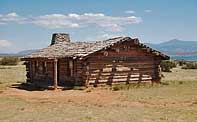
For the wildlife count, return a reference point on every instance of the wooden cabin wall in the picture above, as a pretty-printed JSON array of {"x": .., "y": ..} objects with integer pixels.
[
  {"x": 39, "y": 71},
  {"x": 66, "y": 71},
  {"x": 62, "y": 66},
  {"x": 157, "y": 69},
  {"x": 28, "y": 72},
  {"x": 80, "y": 72},
  {"x": 122, "y": 63}
]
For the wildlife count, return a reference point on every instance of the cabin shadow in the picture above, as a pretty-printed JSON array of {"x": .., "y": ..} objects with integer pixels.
[
  {"x": 28, "y": 87},
  {"x": 34, "y": 87}
]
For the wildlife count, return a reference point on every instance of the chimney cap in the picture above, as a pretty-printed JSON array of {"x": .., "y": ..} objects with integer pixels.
[
  {"x": 60, "y": 33},
  {"x": 60, "y": 37}
]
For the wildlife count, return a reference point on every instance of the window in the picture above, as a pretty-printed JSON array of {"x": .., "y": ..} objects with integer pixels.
[
  {"x": 40, "y": 67},
  {"x": 117, "y": 50},
  {"x": 44, "y": 67},
  {"x": 126, "y": 48},
  {"x": 105, "y": 53},
  {"x": 70, "y": 68},
  {"x": 35, "y": 63}
]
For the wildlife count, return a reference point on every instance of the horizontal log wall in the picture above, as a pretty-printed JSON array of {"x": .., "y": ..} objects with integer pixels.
[{"x": 123, "y": 63}]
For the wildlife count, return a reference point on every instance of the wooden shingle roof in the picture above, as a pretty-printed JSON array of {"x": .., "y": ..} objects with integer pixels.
[{"x": 82, "y": 49}]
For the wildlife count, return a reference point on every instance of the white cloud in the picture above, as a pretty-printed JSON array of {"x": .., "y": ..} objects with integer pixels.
[
  {"x": 94, "y": 15},
  {"x": 129, "y": 12},
  {"x": 100, "y": 36},
  {"x": 73, "y": 15},
  {"x": 73, "y": 20},
  {"x": 11, "y": 17},
  {"x": 107, "y": 36},
  {"x": 54, "y": 21},
  {"x": 5, "y": 43},
  {"x": 147, "y": 11}
]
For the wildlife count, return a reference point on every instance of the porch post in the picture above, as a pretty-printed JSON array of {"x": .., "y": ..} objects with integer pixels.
[
  {"x": 31, "y": 71},
  {"x": 55, "y": 74}
]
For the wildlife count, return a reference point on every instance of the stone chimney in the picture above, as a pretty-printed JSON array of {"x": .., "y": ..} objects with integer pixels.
[{"x": 60, "y": 37}]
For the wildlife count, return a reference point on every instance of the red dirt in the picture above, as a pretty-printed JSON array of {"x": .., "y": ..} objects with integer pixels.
[{"x": 97, "y": 96}]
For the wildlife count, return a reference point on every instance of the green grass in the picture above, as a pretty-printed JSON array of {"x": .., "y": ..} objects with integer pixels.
[{"x": 175, "y": 102}]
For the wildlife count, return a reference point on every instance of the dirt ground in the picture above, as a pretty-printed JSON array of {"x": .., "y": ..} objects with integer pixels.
[
  {"x": 97, "y": 96},
  {"x": 174, "y": 102}
]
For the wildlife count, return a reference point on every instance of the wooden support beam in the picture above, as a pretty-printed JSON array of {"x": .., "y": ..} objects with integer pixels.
[
  {"x": 110, "y": 79},
  {"x": 55, "y": 74},
  {"x": 87, "y": 75},
  {"x": 31, "y": 71},
  {"x": 140, "y": 78},
  {"x": 157, "y": 72},
  {"x": 129, "y": 76},
  {"x": 98, "y": 77}
]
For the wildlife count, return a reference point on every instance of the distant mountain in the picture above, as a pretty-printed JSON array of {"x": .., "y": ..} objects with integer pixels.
[
  {"x": 21, "y": 53},
  {"x": 176, "y": 47},
  {"x": 25, "y": 52},
  {"x": 7, "y": 54}
]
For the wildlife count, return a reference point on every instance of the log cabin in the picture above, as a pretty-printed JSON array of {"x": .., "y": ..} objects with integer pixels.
[{"x": 112, "y": 61}]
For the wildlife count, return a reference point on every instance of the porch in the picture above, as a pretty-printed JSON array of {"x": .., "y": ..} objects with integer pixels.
[{"x": 51, "y": 73}]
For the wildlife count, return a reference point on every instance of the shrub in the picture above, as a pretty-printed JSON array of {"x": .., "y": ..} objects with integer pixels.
[
  {"x": 78, "y": 88},
  {"x": 190, "y": 65},
  {"x": 89, "y": 90},
  {"x": 115, "y": 88},
  {"x": 166, "y": 66},
  {"x": 9, "y": 60},
  {"x": 119, "y": 87},
  {"x": 181, "y": 62}
]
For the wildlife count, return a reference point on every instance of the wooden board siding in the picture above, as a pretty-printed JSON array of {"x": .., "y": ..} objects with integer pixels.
[
  {"x": 123, "y": 63},
  {"x": 34, "y": 75},
  {"x": 80, "y": 70},
  {"x": 66, "y": 71},
  {"x": 62, "y": 71}
]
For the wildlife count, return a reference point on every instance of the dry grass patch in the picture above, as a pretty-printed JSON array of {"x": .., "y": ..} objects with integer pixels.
[{"x": 12, "y": 73}]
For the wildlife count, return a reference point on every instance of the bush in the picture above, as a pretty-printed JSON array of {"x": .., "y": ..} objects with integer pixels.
[
  {"x": 181, "y": 62},
  {"x": 89, "y": 90},
  {"x": 9, "y": 60},
  {"x": 190, "y": 65},
  {"x": 166, "y": 66},
  {"x": 116, "y": 88}
]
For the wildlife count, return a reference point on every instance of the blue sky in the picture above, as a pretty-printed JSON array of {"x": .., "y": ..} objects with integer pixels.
[{"x": 29, "y": 24}]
